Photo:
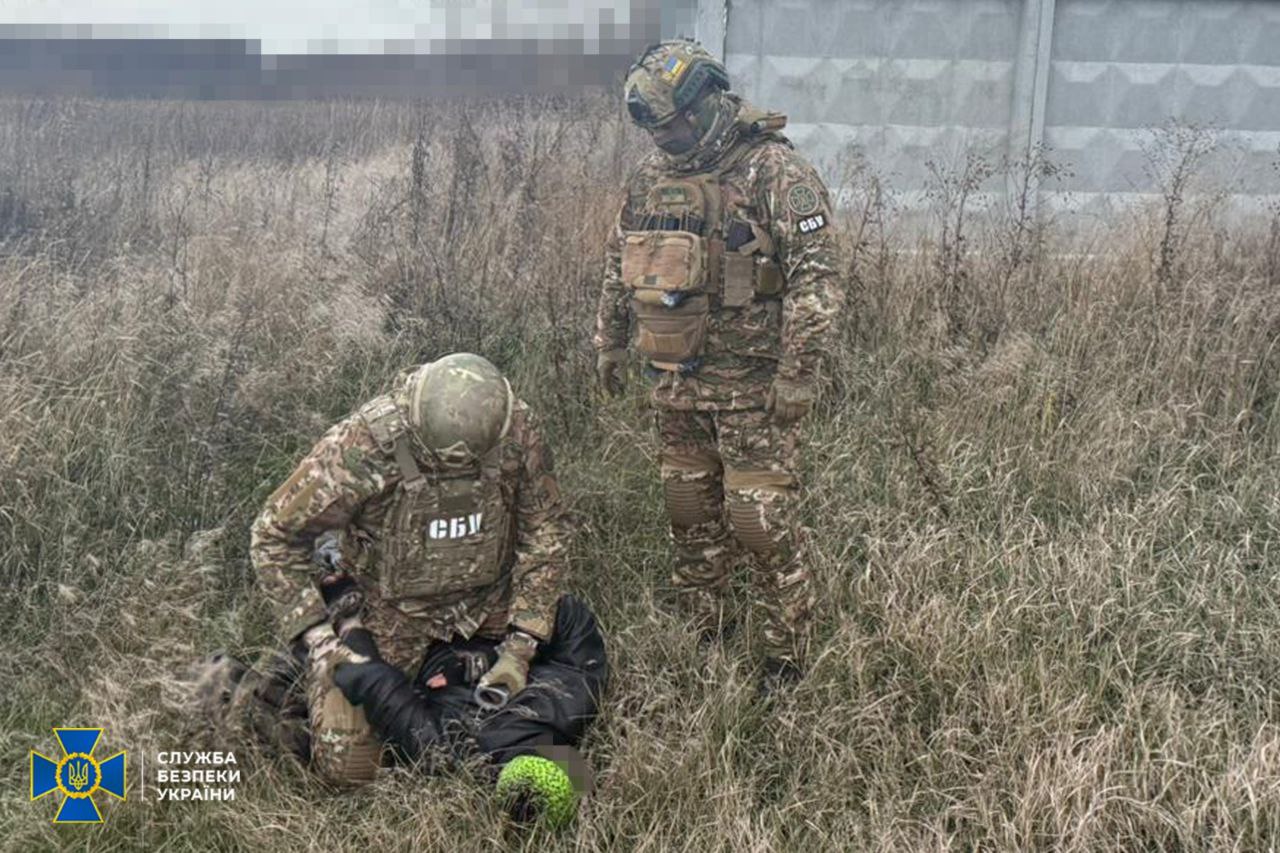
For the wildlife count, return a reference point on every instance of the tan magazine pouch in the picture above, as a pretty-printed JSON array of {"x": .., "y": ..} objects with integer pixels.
[
  {"x": 673, "y": 271},
  {"x": 750, "y": 272}
]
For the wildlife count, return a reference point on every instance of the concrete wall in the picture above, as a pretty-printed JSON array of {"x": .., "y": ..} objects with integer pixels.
[{"x": 911, "y": 80}]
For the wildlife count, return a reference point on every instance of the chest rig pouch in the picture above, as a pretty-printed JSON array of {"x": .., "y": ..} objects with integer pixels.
[
  {"x": 750, "y": 271},
  {"x": 444, "y": 534},
  {"x": 667, "y": 267},
  {"x": 685, "y": 260}
]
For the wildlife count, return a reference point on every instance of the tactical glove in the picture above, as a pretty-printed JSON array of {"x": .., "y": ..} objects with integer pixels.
[
  {"x": 509, "y": 673},
  {"x": 788, "y": 401},
  {"x": 609, "y": 365}
]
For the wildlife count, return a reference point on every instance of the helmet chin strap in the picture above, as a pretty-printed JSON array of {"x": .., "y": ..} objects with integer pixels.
[{"x": 456, "y": 455}]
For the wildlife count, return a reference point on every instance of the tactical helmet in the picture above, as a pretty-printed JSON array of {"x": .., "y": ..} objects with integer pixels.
[
  {"x": 460, "y": 406},
  {"x": 668, "y": 78}
]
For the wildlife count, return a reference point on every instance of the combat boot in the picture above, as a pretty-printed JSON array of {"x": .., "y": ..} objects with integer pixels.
[
  {"x": 778, "y": 675},
  {"x": 705, "y": 615}
]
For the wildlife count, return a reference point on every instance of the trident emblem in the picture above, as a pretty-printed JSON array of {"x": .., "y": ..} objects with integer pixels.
[{"x": 78, "y": 774}]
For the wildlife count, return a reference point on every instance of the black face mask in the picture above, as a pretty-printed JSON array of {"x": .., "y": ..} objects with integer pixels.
[{"x": 678, "y": 136}]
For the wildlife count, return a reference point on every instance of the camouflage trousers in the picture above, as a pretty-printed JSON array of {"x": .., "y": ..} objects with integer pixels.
[
  {"x": 235, "y": 705},
  {"x": 287, "y": 706},
  {"x": 730, "y": 487}
]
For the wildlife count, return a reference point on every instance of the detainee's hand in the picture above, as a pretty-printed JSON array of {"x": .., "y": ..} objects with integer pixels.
[
  {"x": 787, "y": 402},
  {"x": 359, "y": 666},
  {"x": 609, "y": 366}
]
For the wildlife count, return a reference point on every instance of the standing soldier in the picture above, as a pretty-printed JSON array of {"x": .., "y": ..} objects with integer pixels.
[
  {"x": 725, "y": 258},
  {"x": 436, "y": 514}
]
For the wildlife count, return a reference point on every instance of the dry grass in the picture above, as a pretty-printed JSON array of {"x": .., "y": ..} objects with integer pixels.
[{"x": 1045, "y": 489}]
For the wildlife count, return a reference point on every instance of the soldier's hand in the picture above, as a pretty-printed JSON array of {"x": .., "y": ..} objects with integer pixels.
[
  {"x": 609, "y": 366},
  {"x": 788, "y": 401},
  {"x": 509, "y": 673}
]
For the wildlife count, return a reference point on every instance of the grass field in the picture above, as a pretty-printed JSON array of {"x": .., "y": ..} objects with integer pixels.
[{"x": 1044, "y": 482}]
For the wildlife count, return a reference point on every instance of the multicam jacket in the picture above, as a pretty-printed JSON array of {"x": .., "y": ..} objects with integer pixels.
[
  {"x": 440, "y": 556},
  {"x": 769, "y": 259}
]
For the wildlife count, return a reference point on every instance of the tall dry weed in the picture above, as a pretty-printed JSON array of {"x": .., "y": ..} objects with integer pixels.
[{"x": 1046, "y": 528}]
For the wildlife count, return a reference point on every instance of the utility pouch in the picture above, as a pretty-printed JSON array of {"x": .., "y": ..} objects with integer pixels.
[
  {"x": 750, "y": 272},
  {"x": 658, "y": 264},
  {"x": 665, "y": 273},
  {"x": 750, "y": 277},
  {"x": 669, "y": 337},
  {"x": 768, "y": 278},
  {"x": 739, "y": 284}
]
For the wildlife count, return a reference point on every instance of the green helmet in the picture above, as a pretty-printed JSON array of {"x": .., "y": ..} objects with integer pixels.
[
  {"x": 670, "y": 77},
  {"x": 460, "y": 406}
]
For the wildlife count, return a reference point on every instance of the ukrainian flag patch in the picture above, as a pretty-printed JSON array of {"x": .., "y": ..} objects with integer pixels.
[{"x": 673, "y": 67}]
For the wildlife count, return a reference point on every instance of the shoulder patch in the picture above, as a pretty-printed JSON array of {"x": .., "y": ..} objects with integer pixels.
[{"x": 802, "y": 199}]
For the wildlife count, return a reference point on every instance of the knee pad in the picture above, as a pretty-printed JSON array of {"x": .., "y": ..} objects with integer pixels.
[
  {"x": 691, "y": 487},
  {"x": 750, "y": 527},
  {"x": 753, "y": 512}
]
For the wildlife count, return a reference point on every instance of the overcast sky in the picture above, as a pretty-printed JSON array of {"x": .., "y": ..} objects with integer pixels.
[{"x": 301, "y": 26}]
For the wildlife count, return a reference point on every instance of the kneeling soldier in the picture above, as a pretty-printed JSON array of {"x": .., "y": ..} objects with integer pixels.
[{"x": 438, "y": 517}]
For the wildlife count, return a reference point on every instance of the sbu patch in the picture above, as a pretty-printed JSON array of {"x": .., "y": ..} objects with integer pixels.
[
  {"x": 458, "y": 527},
  {"x": 802, "y": 200},
  {"x": 811, "y": 224}
]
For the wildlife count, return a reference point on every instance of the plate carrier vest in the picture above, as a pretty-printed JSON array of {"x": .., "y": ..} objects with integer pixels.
[
  {"x": 444, "y": 535},
  {"x": 685, "y": 259}
]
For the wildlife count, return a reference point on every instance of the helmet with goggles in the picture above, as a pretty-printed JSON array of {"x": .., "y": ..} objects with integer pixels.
[{"x": 669, "y": 78}]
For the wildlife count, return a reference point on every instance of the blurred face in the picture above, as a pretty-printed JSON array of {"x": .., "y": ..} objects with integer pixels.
[{"x": 676, "y": 136}]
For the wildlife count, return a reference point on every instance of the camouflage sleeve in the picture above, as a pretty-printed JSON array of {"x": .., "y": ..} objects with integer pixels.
[
  {"x": 541, "y": 538},
  {"x": 325, "y": 491},
  {"x": 613, "y": 314},
  {"x": 803, "y": 230}
]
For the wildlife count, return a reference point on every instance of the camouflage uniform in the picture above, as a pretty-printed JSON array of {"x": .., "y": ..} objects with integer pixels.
[
  {"x": 351, "y": 481},
  {"x": 770, "y": 262},
  {"x": 441, "y": 552}
]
